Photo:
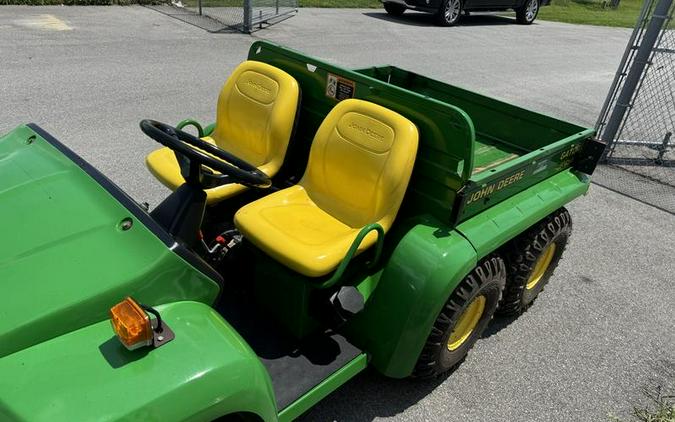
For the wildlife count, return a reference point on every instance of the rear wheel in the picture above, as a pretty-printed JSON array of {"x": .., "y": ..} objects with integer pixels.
[
  {"x": 449, "y": 13},
  {"x": 527, "y": 13},
  {"x": 394, "y": 9},
  {"x": 463, "y": 318},
  {"x": 531, "y": 259}
]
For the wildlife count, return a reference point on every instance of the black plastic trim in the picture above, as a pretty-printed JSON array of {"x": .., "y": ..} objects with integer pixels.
[
  {"x": 589, "y": 156},
  {"x": 131, "y": 205}
]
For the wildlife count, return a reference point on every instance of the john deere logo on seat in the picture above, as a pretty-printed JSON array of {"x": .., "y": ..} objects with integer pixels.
[
  {"x": 258, "y": 87},
  {"x": 366, "y": 131}
]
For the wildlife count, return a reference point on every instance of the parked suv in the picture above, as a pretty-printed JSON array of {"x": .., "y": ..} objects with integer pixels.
[{"x": 448, "y": 12}]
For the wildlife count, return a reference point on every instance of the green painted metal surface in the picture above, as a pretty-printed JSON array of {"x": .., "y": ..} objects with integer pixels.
[
  {"x": 492, "y": 228},
  {"x": 351, "y": 252},
  {"x": 486, "y": 189},
  {"x": 191, "y": 122},
  {"x": 207, "y": 371},
  {"x": 69, "y": 260},
  {"x": 326, "y": 387}
]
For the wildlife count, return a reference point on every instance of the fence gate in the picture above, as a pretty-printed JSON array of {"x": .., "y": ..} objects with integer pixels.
[
  {"x": 637, "y": 121},
  {"x": 223, "y": 15}
]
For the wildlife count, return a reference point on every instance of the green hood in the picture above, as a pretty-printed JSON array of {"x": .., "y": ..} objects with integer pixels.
[{"x": 64, "y": 259}]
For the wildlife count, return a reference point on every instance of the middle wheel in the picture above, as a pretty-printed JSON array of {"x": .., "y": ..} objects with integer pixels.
[{"x": 463, "y": 318}]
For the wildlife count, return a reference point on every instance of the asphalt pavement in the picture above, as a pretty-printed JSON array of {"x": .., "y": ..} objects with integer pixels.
[{"x": 604, "y": 327}]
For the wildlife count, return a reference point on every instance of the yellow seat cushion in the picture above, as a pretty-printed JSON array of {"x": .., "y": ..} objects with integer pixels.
[
  {"x": 358, "y": 170},
  {"x": 255, "y": 117}
]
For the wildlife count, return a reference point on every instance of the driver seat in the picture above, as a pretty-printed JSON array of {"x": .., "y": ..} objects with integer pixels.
[
  {"x": 256, "y": 114},
  {"x": 359, "y": 166}
]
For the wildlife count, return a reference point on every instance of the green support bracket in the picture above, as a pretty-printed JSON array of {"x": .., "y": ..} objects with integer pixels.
[
  {"x": 208, "y": 130},
  {"x": 351, "y": 252},
  {"x": 191, "y": 122}
]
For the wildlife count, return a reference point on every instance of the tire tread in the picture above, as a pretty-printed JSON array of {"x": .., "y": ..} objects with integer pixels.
[{"x": 521, "y": 255}]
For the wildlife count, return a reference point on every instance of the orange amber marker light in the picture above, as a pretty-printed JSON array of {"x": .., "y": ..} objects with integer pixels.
[{"x": 131, "y": 324}]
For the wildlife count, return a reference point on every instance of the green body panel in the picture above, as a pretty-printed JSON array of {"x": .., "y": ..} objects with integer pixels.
[
  {"x": 427, "y": 263},
  {"x": 327, "y": 386},
  {"x": 486, "y": 189},
  {"x": 501, "y": 223},
  {"x": 68, "y": 260},
  {"x": 285, "y": 295},
  {"x": 207, "y": 371}
]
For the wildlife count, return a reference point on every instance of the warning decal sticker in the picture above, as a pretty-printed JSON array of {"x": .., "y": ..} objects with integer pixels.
[{"x": 339, "y": 88}]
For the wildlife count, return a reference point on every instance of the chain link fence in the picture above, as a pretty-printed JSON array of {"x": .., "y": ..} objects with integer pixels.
[
  {"x": 230, "y": 15},
  {"x": 637, "y": 121}
]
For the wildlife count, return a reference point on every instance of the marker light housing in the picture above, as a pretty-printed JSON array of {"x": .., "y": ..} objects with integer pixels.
[{"x": 131, "y": 324}]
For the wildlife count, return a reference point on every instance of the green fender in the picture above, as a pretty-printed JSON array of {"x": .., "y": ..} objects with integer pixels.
[
  {"x": 430, "y": 260},
  {"x": 207, "y": 371},
  {"x": 425, "y": 266}
]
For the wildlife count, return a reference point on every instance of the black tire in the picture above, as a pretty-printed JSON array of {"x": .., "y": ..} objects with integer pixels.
[
  {"x": 449, "y": 12},
  {"x": 394, "y": 9},
  {"x": 485, "y": 280},
  {"x": 522, "y": 255},
  {"x": 525, "y": 15}
]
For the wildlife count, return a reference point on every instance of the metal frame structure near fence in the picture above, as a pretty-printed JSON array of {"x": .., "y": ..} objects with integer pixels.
[
  {"x": 228, "y": 15},
  {"x": 637, "y": 120}
]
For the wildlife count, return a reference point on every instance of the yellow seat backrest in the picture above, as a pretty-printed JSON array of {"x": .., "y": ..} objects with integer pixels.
[
  {"x": 256, "y": 114},
  {"x": 360, "y": 163}
]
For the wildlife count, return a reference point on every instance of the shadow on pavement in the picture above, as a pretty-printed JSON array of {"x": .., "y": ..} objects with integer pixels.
[
  {"x": 390, "y": 397},
  {"x": 497, "y": 324},
  {"x": 378, "y": 397},
  {"x": 427, "y": 19}
]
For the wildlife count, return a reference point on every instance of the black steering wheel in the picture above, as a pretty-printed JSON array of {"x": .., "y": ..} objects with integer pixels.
[{"x": 192, "y": 161}]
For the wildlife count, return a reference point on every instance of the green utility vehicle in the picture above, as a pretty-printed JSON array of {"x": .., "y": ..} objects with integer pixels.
[{"x": 329, "y": 220}]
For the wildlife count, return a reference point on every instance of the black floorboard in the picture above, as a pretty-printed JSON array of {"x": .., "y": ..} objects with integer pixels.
[{"x": 294, "y": 366}]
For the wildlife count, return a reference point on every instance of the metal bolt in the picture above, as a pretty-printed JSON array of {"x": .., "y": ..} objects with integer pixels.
[
  {"x": 126, "y": 224},
  {"x": 160, "y": 338},
  {"x": 30, "y": 140}
]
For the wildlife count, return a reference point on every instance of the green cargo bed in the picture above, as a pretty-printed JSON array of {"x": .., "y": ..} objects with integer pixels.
[
  {"x": 503, "y": 132},
  {"x": 474, "y": 151},
  {"x": 490, "y": 153},
  {"x": 513, "y": 148}
]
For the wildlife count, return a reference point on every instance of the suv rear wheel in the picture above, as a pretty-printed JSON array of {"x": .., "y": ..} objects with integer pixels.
[
  {"x": 449, "y": 13},
  {"x": 527, "y": 13},
  {"x": 394, "y": 9}
]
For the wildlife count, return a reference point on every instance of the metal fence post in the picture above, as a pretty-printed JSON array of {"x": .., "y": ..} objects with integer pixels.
[
  {"x": 623, "y": 103},
  {"x": 621, "y": 71},
  {"x": 248, "y": 17}
]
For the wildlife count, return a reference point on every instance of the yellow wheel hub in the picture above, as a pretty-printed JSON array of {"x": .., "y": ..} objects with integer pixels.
[
  {"x": 541, "y": 266},
  {"x": 467, "y": 323}
]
